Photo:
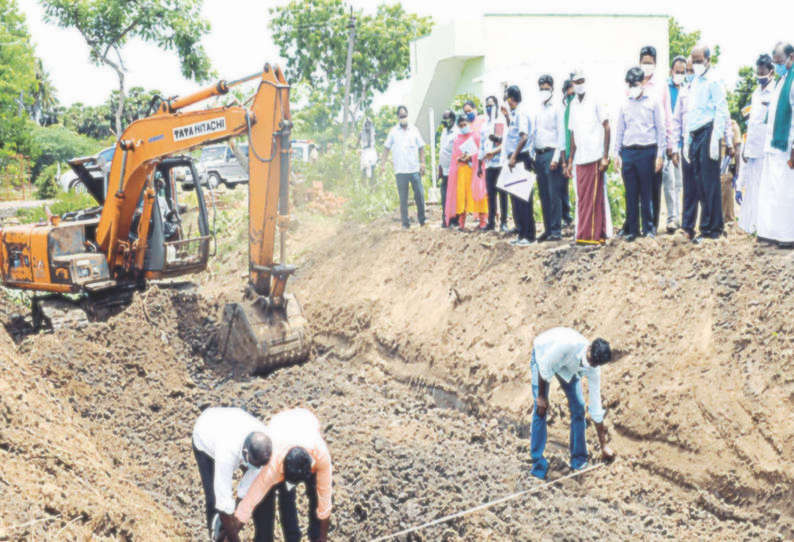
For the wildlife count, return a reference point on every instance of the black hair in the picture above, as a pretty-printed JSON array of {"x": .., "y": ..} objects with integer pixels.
[
  {"x": 546, "y": 79},
  {"x": 513, "y": 92},
  {"x": 678, "y": 58},
  {"x": 495, "y": 100},
  {"x": 470, "y": 103},
  {"x": 648, "y": 50},
  {"x": 788, "y": 49},
  {"x": 297, "y": 465},
  {"x": 448, "y": 114},
  {"x": 461, "y": 118},
  {"x": 600, "y": 352},
  {"x": 259, "y": 448},
  {"x": 401, "y": 108},
  {"x": 765, "y": 60},
  {"x": 567, "y": 84},
  {"x": 635, "y": 75}
]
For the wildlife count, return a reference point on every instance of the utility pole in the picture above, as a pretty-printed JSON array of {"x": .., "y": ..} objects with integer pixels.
[{"x": 351, "y": 38}]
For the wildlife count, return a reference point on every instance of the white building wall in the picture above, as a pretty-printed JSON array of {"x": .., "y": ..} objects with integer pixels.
[{"x": 516, "y": 49}]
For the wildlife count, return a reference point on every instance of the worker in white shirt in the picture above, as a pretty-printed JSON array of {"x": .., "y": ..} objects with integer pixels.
[
  {"x": 566, "y": 354},
  {"x": 548, "y": 125},
  {"x": 225, "y": 439}
]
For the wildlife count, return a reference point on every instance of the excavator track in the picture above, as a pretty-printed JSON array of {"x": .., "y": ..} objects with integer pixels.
[
  {"x": 260, "y": 337},
  {"x": 52, "y": 312}
]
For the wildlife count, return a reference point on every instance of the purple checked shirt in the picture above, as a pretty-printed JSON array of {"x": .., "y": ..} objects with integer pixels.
[{"x": 641, "y": 121}]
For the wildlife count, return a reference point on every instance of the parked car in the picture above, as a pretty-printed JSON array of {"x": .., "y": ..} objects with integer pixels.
[
  {"x": 217, "y": 165},
  {"x": 303, "y": 150},
  {"x": 98, "y": 166}
]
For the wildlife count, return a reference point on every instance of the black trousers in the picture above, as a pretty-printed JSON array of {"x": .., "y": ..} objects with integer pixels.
[
  {"x": 706, "y": 173},
  {"x": 523, "y": 210},
  {"x": 657, "y": 196},
  {"x": 491, "y": 177},
  {"x": 206, "y": 466},
  {"x": 565, "y": 198},
  {"x": 549, "y": 188},
  {"x": 443, "y": 188},
  {"x": 639, "y": 178},
  {"x": 288, "y": 512},
  {"x": 691, "y": 197}
]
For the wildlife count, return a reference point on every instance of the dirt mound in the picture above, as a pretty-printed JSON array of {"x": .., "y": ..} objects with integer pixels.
[
  {"x": 421, "y": 379},
  {"x": 701, "y": 399}
]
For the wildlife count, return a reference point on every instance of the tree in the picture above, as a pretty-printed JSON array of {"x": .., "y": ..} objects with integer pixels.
[
  {"x": 53, "y": 144},
  {"x": 740, "y": 97},
  {"x": 681, "y": 42},
  {"x": 45, "y": 99},
  {"x": 17, "y": 78},
  {"x": 312, "y": 35},
  {"x": 107, "y": 25}
]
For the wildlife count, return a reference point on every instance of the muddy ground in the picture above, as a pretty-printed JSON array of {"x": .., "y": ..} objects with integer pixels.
[{"x": 420, "y": 375}]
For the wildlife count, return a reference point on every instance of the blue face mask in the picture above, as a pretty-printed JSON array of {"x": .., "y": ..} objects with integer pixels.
[
  {"x": 781, "y": 69},
  {"x": 689, "y": 77},
  {"x": 465, "y": 130},
  {"x": 471, "y": 116},
  {"x": 488, "y": 109},
  {"x": 762, "y": 80}
]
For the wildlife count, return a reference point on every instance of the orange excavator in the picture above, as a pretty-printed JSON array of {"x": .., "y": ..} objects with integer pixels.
[{"x": 140, "y": 232}]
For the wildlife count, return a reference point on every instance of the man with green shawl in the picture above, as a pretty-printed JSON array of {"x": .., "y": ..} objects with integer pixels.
[{"x": 776, "y": 192}]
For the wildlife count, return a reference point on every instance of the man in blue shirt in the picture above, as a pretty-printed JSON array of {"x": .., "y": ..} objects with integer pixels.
[
  {"x": 707, "y": 117},
  {"x": 517, "y": 145},
  {"x": 566, "y": 354}
]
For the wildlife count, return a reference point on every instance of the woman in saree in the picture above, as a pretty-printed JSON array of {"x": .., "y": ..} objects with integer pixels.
[{"x": 466, "y": 191}]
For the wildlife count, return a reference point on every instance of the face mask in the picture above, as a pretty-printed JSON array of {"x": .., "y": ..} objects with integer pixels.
[
  {"x": 700, "y": 69},
  {"x": 470, "y": 116},
  {"x": 465, "y": 130},
  {"x": 648, "y": 69},
  {"x": 678, "y": 78},
  {"x": 579, "y": 89},
  {"x": 689, "y": 77},
  {"x": 634, "y": 92},
  {"x": 403, "y": 122},
  {"x": 781, "y": 70},
  {"x": 489, "y": 109},
  {"x": 545, "y": 95},
  {"x": 762, "y": 80}
]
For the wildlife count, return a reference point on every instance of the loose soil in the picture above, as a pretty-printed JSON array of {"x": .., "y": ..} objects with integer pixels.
[{"x": 420, "y": 375}]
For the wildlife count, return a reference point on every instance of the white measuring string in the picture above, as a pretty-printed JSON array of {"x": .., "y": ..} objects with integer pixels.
[{"x": 488, "y": 504}]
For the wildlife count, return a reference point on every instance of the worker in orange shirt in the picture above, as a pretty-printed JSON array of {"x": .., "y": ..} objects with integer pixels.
[{"x": 299, "y": 455}]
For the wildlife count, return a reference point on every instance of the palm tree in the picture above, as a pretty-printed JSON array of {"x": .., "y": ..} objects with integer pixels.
[{"x": 45, "y": 99}]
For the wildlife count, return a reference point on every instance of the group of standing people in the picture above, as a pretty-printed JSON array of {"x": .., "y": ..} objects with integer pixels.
[{"x": 672, "y": 138}]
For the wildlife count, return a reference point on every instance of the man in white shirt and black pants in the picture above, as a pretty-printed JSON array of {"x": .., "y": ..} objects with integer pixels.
[
  {"x": 408, "y": 156},
  {"x": 566, "y": 354},
  {"x": 548, "y": 139},
  {"x": 448, "y": 134},
  {"x": 225, "y": 439}
]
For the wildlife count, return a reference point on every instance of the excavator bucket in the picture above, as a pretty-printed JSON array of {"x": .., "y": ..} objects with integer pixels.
[{"x": 260, "y": 337}]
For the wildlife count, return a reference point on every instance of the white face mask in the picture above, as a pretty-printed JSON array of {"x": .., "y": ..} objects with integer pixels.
[
  {"x": 579, "y": 89},
  {"x": 634, "y": 92},
  {"x": 699, "y": 69},
  {"x": 678, "y": 78},
  {"x": 545, "y": 95},
  {"x": 648, "y": 69}
]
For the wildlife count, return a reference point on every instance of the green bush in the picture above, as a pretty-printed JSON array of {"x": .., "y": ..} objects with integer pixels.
[
  {"x": 65, "y": 202},
  {"x": 47, "y": 182}
]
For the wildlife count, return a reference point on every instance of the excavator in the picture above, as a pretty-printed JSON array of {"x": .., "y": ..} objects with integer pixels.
[{"x": 97, "y": 257}]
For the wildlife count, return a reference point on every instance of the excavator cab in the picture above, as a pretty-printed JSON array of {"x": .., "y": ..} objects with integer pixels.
[{"x": 179, "y": 233}]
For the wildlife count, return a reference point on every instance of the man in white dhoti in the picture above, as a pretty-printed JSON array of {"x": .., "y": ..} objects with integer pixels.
[
  {"x": 753, "y": 153},
  {"x": 776, "y": 197}
]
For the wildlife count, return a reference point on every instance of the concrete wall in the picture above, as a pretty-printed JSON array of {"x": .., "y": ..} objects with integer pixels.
[{"x": 483, "y": 55}]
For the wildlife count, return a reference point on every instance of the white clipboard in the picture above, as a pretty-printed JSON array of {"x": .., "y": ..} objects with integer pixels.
[{"x": 518, "y": 182}]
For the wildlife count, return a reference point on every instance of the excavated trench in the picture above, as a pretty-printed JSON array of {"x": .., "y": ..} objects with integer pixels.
[{"x": 423, "y": 392}]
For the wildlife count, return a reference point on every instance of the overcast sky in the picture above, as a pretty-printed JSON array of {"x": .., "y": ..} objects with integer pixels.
[{"x": 239, "y": 42}]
